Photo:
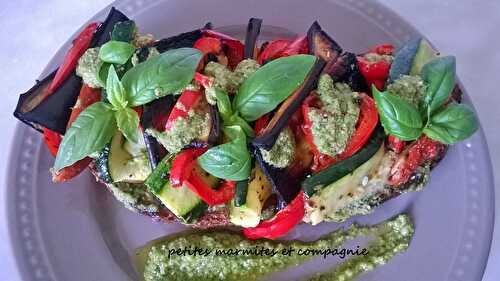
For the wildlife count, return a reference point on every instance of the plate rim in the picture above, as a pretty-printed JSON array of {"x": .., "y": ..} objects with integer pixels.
[{"x": 20, "y": 130}]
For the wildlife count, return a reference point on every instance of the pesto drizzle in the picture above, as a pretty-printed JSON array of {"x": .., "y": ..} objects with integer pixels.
[{"x": 390, "y": 238}]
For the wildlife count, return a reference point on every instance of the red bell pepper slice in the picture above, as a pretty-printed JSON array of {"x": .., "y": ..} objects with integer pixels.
[
  {"x": 272, "y": 50},
  {"x": 261, "y": 124},
  {"x": 234, "y": 50},
  {"x": 87, "y": 97},
  {"x": 297, "y": 46},
  {"x": 376, "y": 72},
  {"x": 395, "y": 144},
  {"x": 208, "y": 45},
  {"x": 52, "y": 140},
  {"x": 187, "y": 101},
  {"x": 182, "y": 166},
  {"x": 223, "y": 194},
  {"x": 382, "y": 49},
  {"x": 80, "y": 45},
  {"x": 281, "y": 223},
  {"x": 423, "y": 149},
  {"x": 203, "y": 80},
  {"x": 367, "y": 121}
]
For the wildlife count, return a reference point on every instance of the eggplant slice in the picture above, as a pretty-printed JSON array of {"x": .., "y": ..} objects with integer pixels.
[
  {"x": 186, "y": 39},
  {"x": 321, "y": 44},
  {"x": 280, "y": 119},
  {"x": 155, "y": 112},
  {"x": 253, "y": 31},
  {"x": 345, "y": 69},
  {"x": 54, "y": 111}
]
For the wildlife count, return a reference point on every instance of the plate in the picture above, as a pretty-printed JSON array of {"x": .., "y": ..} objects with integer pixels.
[{"x": 77, "y": 231}]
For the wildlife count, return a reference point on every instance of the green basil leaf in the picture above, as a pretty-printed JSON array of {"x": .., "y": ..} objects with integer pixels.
[
  {"x": 235, "y": 133},
  {"x": 116, "y": 52},
  {"x": 452, "y": 124},
  {"x": 223, "y": 104},
  {"x": 124, "y": 31},
  {"x": 102, "y": 73},
  {"x": 398, "y": 117},
  {"x": 161, "y": 75},
  {"x": 270, "y": 85},
  {"x": 439, "y": 76},
  {"x": 236, "y": 120},
  {"x": 115, "y": 92},
  {"x": 88, "y": 134},
  {"x": 128, "y": 123},
  {"x": 231, "y": 160}
]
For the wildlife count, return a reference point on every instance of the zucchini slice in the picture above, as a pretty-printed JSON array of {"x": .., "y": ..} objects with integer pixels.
[
  {"x": 342, "y": 168},
  {"x": 121, "y": 161},
  {"x": 181, "y": 201},
  {"x": 259, "y": 189}
]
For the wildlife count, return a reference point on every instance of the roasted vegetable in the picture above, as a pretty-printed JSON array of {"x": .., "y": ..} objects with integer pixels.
[
  {"x": 345, "y": 69},
  {"x": 155, "y": 115},
  {"x": 253, "y": 30},
  {"x": 321, "y": 44},
  {"x": 338, "y": 170},
  {"x": 280, "y": 119},
  {"x": 53, "y": 111}
]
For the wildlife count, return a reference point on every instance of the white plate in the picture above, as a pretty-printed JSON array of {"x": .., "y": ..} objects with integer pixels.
[{"x": 77, "y": 231}]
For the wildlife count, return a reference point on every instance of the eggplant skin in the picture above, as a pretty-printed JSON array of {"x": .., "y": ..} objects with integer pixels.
[
  {"x": 214, "y": 135},
  {"x": 321, "y": 44},
  {"x": 253, "y": 31},
  {"x": 345, "y": 69},
  {"x": 54, "y": 111},
  {"x": 103, "y": 33},
  {"x": 186, "y": 39},
  {"x": 285, "y": 185},
  {"x": 280, "y": 119}
]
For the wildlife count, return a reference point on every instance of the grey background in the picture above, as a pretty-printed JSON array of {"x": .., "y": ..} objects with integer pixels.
[{"x": 32, "y": 31}]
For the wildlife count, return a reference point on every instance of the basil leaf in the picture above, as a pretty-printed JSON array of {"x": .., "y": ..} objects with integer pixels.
[
  {"x": 102, "y": 73},
  {"x": 230, "y": 160},
  {"x": 439, "y": 76},
  {"x": 115, "y": 92},
  {"x": 223, "y": 104},
  {"x": 270, "y": 85},
  {"x": 116, "y": 52},
  {"x": 161, "y": 75},
  {"x": 398, "y": 117},
  {"x": 235, "y": 133},
  {"x": 124, "y": 31},
  {"x": 236, "y": 120},
  {"x": 454, "y": 123},
  {"x": 128, "y": 122},
  {"x": 88, "y": 134}
]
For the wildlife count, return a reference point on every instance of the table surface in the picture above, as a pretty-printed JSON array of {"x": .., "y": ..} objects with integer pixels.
[{"x": 36, "y": 29}]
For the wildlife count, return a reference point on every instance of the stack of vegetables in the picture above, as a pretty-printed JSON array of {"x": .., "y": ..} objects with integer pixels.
[{"x": 210, "y": 131}]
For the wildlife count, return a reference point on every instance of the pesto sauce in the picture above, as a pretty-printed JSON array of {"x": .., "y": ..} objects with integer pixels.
[
  {"x": 183, "y": 131},
  {"x": 88, "y": 66},
  {"x": 374, "y": 57},
  {"x": 334, "y": 124},
  {"x": 390, "y": 238},
  {"x": 283, "y": 151},
  {"x": 410, "y": 88},
  {"x": 227, "y": 80}
]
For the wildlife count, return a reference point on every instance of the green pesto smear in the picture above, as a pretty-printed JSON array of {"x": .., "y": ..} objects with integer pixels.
[
  {"x": 334, "y": 124},
  {"x": 183, "y": 131},
  {"x": 410, "y": 88},
  {"x": 87, "y": 67},
  {"x": 227, "y": 80},
  {"x": 389, "y": 238},
  {"x": 283, "y": 151}
]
